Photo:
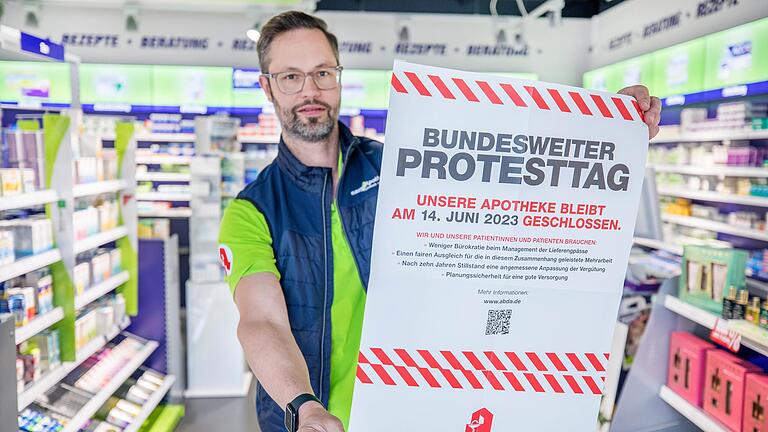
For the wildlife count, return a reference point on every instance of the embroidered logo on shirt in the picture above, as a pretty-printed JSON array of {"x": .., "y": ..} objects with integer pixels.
[
  {"x": 225, "y": 255},
  {"x": 366, "y": 185}
]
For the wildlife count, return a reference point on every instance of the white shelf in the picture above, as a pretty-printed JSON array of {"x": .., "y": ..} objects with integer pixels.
[
  {"x": 53, "y": 377},
  {"x": 163, "y": 176},
  {"x": 159, "y": 159},
  {"x": 87, "y": 411},
  {"x": 39, "y": 324},
  {"x": 720, "y": 135},
  {"x": 259, "y": 139},
  {"x": 707, "y": 319},
  {"x": 721, "y": 227},
  {"x": 151, "y": 404},
  {"x": 25, "y": 265},
  {"x": 96, "y": 188},
  {"x": 167, "y": 137},
  {"x": 693, "y": 413},
  {"x": 29, "y": 199},
  {"x": 163, "y": 196},
  {"x": 658, "y": 244},
  {"x": 714, "y": 196},
  {"x": 715, "y": 170},
  {"x": 100, "y": 239},
  {"x": 94, "y": 293},
  {"x": 177, "y": 212}
]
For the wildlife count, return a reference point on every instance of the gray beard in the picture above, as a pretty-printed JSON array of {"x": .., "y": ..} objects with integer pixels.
[{"x": 314, "y": 130}]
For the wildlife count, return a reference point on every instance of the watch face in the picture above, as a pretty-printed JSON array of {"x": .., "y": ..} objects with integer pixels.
[{"x": 291, "y": 417}]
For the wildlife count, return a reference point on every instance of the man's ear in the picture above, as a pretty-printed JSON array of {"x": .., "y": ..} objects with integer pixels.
[{"x": 265, "y": 86}]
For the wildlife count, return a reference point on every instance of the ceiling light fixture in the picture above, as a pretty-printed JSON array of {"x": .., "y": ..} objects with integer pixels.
[{"x": 253, "y": 33}]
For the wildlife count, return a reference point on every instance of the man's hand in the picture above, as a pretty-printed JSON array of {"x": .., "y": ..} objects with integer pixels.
[
  {"x": 650, "y": 105},
  {"x": 314, "y": 418}
]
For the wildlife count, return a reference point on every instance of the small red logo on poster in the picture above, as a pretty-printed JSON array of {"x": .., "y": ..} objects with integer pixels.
[
  {"x": 225, "y": 255},
  {"x": 481, "y": 421}
]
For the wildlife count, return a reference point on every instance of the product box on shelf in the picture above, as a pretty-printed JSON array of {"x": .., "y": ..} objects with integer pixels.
[
  {"x": 82, "y": 277},
  {"x": 30, "y": 236},
  {"x": 708, "y": 273},
  {"x": 29, "y": 303},
  {"x": 10, "y": 182},
  {"x": 47, "y": 342},
  {"x": 42, "y": 281},
  {"x": 687, "y": 364},
  {"x": 756, "y": 403},
  {"x": 116, "y": 261},
  {"x": 7, "y": 253},
  {"x": 29, "y": 353},
  {"x": 726, "y": 377},
  {"x": 101, "y": 268}
]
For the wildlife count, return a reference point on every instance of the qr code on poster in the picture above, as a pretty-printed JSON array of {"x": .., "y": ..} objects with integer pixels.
[{"x": 498, "y": 322}]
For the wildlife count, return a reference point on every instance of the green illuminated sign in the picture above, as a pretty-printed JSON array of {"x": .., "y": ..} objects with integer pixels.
[
  {"x": 35, "y": 82},
  {"x": 127, "y": 84},
  {"x": 192, "y": 86},
  {"x": 679, "y": 69},
  {"x": 365, "y": 89},
  {"x": 737, "y": 56}
]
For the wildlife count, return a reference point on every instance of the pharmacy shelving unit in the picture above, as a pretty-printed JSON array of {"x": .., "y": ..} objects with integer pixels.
[
  {"x": 58, "y": 197},
  {"x": 180, "y": 200},
  {"x": 215, "y": 362}
]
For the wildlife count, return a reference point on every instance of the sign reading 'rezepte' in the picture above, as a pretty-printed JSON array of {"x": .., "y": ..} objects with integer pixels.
[{"x": 506, "y": 207}]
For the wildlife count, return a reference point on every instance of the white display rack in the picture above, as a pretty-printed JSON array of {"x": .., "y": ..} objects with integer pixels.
[
  {"x": 54, "y": 376},
  {"x": 100, "y": 239},
  {"x": 87, "y": 411},
  {"x": 38, "y": 324},
  {"x": 693, "y": 413},
  {"x": 29, "y": 199},
  {"x": 714, "y": 170},
  {"x": 151, "y": 404},
  {"x": 159, "y": 159},
  {"x": 163, "y": 196},
  {"x": 94, "y": 293},
  {"x": 708, "y": 319},
  {"x": 96, "y": 188},
  {"x": 720, "y": 227},
  {"x": 658, "y": 244},
  {"x": 714, "y": 196},
  {"x": 177, "y": 212},
  {"x": 163, "y": 176},
  {"x": 167, "y": 137},
  {"x": 720, "y": 135},
  {"x": 262, "y": 139},
  {"x": 25, "y": 265}
]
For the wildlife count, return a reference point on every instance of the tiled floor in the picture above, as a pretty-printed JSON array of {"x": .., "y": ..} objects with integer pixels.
[{"x": 220, "y": 415}]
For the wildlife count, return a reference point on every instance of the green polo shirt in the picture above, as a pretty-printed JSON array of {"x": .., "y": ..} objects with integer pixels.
[{"x": 246, "y": 233}]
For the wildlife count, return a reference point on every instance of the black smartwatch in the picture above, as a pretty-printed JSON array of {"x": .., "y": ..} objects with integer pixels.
[{"x": 292, "y": 411}]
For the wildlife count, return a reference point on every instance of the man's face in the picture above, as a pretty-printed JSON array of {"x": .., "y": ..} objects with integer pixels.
[{"x": 312, "y": 113}]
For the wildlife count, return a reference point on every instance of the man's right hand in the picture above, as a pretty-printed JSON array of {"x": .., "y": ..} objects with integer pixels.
[{"x": 314, "y": 418}]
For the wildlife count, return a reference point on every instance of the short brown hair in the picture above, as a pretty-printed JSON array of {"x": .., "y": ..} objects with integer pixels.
[{"x": 285, "y": 22}]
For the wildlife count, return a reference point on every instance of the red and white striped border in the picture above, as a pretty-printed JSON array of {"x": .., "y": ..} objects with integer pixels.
[
  {"x": 523, "y": 96},
  {"x": 549, "y": 372}
]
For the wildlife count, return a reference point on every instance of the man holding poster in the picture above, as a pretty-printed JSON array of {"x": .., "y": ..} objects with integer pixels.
[{"x": 503, "y": 206}]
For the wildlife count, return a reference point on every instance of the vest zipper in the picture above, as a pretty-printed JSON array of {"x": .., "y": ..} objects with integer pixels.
[
  {"x": 341, "y": 217},
  {"x": 325, "y": 284}
]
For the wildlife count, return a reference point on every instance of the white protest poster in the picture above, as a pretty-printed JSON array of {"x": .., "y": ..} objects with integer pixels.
[{"x": 504, "y": 223}]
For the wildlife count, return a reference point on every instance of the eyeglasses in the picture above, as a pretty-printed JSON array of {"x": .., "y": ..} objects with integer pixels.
[{"x": 292, "y": 82}]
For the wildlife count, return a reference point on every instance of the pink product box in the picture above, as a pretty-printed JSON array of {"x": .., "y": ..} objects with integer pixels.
[
  {"x": 687, "y": 364},
  {"x": 725, "y": 378},
  {"x": 756, "y": 403}
]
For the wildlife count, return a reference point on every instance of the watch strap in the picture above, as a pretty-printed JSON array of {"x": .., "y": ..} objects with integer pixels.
[{"x": 292, "y": 410}]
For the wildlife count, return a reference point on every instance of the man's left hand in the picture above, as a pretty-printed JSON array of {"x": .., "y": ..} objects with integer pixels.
[{"x": 650, "y": 105}]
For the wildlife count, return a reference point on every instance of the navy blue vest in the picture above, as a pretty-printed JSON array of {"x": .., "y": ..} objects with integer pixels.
[{"x": 296, "y": 202}]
